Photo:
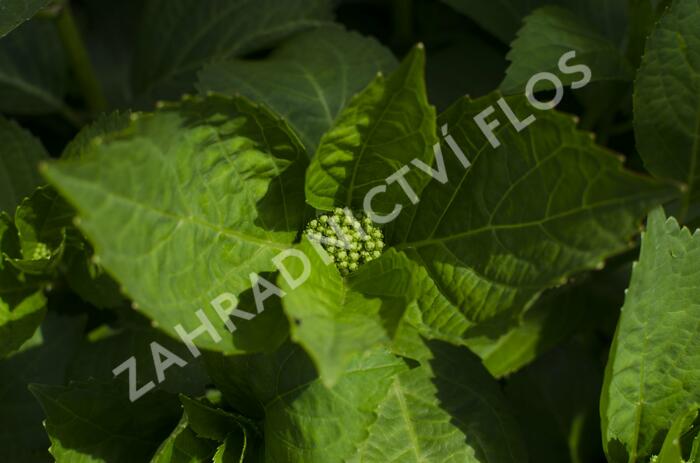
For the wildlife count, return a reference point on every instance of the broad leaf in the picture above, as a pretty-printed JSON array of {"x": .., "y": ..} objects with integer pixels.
[
  {"x": 448, "y": 409},
  {"x": 33, "y": 70},
  {"x": 653, "y": 368},
  {"x": 550, "y": 32},
  {"x": 15, "y": 12},
  {"x": 183, "y": 446},
  {"x": 43, "y": 358},
  {"x": 382, "y": 128},
  {"x": 308, "y": 89},
  {"x": 544, "y": 205},
  {"x": 186, "y": 204},
  {"x": 20, "y": 154},
  {"x": 96, "y": 422},
  {"x": 380, "y": 411},
  {"x": 177, "y": 37},
  {"x": 666, "y": 99}
]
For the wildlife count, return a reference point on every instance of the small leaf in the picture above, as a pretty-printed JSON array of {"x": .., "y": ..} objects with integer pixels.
[
  {"x": 22, "y": 302},
  {"x": 671, "y": 451},
  {"x": 43, "y": 221},
  {"x": 183, "y": 446},
  {"x": 210, "y": 422}
]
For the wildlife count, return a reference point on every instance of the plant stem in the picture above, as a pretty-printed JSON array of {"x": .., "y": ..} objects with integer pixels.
[
  {"x": 80, "y": 61},
  {"x": 403, "y": 22}
]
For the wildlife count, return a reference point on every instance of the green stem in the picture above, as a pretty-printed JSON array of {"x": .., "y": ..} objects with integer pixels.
[
  {"x": 403, "y": 22},
  {"x": 80, "y": 61}
]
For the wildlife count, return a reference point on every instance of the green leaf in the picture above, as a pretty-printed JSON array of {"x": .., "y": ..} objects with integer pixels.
[
  {"x": 104, "y": 124},
  {"x": 334, "y": 323},
  {"x": 211, "y": 423},
  {"x": 20, "y": 154},
  {"x": 43, "y": 221},
  {"x": 43, "y": 359},
  {"x": 185, "y": 204},
  {"x": 183, "y": 446},
  {"x": 671, "y": 451},
  {"x": 666, "y": 100},
  {"x": 653, "y": 369},
  {"x": 18, "y": 320},
  {"x": 223, "y": 29},
  {"x": 550, "y": 32},
  {"x": 96, "y": 422},
  {"x": 22, "y": 302},
  {"x": 15, "y": 12},
  {"x": 33, "y": 70},
  {"x": 546, "y": 204},
  {"x": 308, "y": 89},
  {"x": 448, "y": 409},
  {"x": 503, "y": 18},
  {"x": 381, "y": 129},
  {"x": 231, "y": 450}
]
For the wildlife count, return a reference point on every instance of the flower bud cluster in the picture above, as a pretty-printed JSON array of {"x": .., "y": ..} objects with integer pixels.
[{"x": 349, "y": 241}]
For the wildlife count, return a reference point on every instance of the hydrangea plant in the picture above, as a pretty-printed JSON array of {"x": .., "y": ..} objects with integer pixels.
[{"x": 239, "y": 231}]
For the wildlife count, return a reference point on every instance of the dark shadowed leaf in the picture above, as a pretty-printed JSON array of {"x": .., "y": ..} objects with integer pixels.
[{"x": 308, "y": 80}]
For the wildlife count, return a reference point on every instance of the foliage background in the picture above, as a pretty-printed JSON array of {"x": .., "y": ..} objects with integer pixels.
[{"x": 535, "y": 385}]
